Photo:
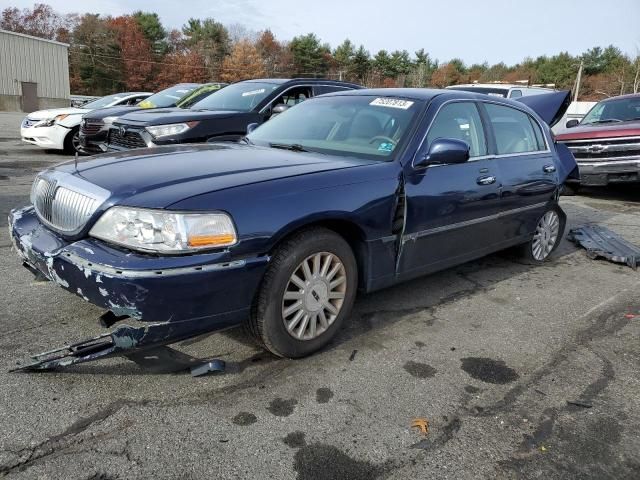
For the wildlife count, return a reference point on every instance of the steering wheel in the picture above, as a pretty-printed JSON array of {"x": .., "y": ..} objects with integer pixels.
[{"x": 385, "y": 138}]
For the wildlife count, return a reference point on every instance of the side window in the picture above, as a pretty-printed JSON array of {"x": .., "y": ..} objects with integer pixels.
[
  {"x": 515, "y": 93},
  {"x": 513, "y": 129},
  {"x": 320, "y": 89},
  {"x": 293, "y": 97},
  {"x": 461, "y": 121}
]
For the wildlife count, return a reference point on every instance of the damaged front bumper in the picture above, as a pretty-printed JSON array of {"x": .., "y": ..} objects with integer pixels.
[{"x": 181, "y": 296}]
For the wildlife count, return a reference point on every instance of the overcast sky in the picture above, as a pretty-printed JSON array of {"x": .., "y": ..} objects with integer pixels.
[{"x": 474, "y": 30}]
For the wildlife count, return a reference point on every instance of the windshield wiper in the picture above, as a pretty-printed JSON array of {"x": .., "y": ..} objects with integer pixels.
[
  {"x": 294, "y": 147},
  {"x": 606, "y": 120},
  {"x": 246, "y": 140}
]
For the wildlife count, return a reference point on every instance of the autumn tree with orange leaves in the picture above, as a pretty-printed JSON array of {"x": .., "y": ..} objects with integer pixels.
[{"x": 244, "y": 63}]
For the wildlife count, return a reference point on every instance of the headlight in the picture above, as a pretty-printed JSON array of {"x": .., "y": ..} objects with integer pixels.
[
  {"x": 170, "y": 129},
  {"x": 163, "y": 230},
  {"x": 109, "y": 120},
  {"x": 51, "y": 121}
]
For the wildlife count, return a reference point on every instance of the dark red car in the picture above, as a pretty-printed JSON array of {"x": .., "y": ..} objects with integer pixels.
[{"x": 606, "y": 142}]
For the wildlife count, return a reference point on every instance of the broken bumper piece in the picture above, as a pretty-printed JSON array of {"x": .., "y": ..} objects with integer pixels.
[
  {"x": 140, "y": 344},
  {"x": 599, "y": 241},
  {"x": 180, "y": 296}
]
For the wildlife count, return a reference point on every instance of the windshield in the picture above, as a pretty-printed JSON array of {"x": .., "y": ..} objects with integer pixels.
[
  {"x": 198, "y": 94},
  {"x": 168, "y": 97},
  {"x": 613, "y": 111},
  {"x": 242, "y": 96},
  {"x": 358, "y": 126},
  {"x": 105, "y": 101}
]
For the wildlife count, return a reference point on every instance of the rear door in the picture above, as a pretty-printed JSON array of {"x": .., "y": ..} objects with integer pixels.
[
  {"x": 526, "y": 165},
  {"x": 451, "y": 210}
]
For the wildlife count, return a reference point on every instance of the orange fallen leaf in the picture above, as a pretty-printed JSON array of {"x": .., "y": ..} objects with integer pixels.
[{"x": 422, "y": 424}]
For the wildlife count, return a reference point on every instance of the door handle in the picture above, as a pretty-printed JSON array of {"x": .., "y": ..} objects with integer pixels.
[
  {"x": 549, "y": 168},
  {"x": 486, "y": 180}
]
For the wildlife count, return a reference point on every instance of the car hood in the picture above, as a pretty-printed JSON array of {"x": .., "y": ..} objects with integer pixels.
[
  {"x": 601, "y": 130},
  {"x": 101, "y": 113},
  {"x": 163, "y": 116},
  {"x": 46, "y": 114},
  {"x": 174, "y": 173}
]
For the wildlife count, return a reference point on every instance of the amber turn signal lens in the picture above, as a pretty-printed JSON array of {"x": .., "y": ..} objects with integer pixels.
[{"x": 211, "y": 240}]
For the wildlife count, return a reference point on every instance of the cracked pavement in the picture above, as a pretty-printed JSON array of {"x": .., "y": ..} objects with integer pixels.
[{"x": 521, "y": 371}]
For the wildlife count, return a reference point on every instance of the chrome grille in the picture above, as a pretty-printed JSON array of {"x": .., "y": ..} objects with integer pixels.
[
  {"x": 60, "y": 207},
  {"x": 609, "y": 149},
  {"x": 127, "y": 139}
]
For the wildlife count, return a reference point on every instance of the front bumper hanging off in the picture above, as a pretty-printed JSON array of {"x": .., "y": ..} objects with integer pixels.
[
  {"x": 137, "y": 344},
  {"x": 171, "y": 298}
]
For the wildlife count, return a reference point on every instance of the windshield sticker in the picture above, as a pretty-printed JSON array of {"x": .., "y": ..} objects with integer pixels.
[
  {"x": 253, "y": 92},
  {"x": 392, "y": 103},
  {"x": 386, "y": 146}
]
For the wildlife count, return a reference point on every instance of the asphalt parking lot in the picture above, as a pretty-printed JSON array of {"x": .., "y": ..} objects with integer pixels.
[{"x": 521, "y": 372}]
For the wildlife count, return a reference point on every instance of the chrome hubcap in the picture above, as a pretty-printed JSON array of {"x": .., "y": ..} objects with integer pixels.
[
  {"x": 546, "y": 235},
  {"x": 314, "y": 296}
]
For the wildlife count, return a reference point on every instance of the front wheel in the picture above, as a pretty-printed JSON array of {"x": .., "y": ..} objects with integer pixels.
[
  {"x": 72, "y": 142},
  {"x": 307, "y": 292},
  {"x": 547, "y": 236}
]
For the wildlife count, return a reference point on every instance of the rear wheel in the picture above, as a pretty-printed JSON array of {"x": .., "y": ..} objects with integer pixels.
[
  {"x": 306, "y": 294},
  {"x": 72, "y": 142},
  {"x": 546, "y": 238}
]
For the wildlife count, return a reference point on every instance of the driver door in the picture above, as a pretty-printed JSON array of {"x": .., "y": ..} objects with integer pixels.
[{"x": 450, "y": 209}]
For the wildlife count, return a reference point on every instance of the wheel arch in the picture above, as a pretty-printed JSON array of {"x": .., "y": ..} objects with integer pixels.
[{"x": 349, "y": 230}]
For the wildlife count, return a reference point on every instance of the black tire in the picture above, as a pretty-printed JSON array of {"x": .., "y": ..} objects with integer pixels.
[
  {"x": 266, "y": 324},
  {"x": 69, "y": 141},
  {"x": 526, "y": 250}
]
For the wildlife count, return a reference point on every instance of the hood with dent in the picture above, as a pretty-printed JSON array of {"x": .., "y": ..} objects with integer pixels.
[
  {"x": 601, "y": 130},
  {"x": 46, "y": 114},
  {"x": 163, "y": 116},
  {"x": 162, "y": 176}
]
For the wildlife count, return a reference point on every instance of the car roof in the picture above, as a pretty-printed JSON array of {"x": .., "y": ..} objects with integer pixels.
[
  {"x": 412, "y": 93},
  {"x": 627, "y": 96},
  {"x": 282, "y": 81},
  {"x": 426, "y": 94},
  {"x": 131, "y": 94},
  {"x": 496, "y": 85}
]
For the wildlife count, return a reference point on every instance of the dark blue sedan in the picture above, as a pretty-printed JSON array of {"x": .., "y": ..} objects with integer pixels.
[{"x": 349, "y": 191}]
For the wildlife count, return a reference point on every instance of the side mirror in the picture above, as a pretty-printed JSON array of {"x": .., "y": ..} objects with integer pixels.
[
  {"x": 572, "y": 123},
  {"x": 251, "y": 127},
  {"x": 278, "y": 109},
  {"x": 444, "y": 151}
]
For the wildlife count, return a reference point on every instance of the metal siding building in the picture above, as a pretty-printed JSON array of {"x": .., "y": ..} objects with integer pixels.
[{"x": 34, "y": 73}]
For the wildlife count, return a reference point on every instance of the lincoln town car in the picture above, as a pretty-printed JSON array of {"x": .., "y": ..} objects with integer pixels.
[{"x": 345, "y": 192}]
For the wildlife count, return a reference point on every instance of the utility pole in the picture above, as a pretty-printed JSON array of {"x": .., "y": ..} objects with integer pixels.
[{"x": 578, "y": 79}]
